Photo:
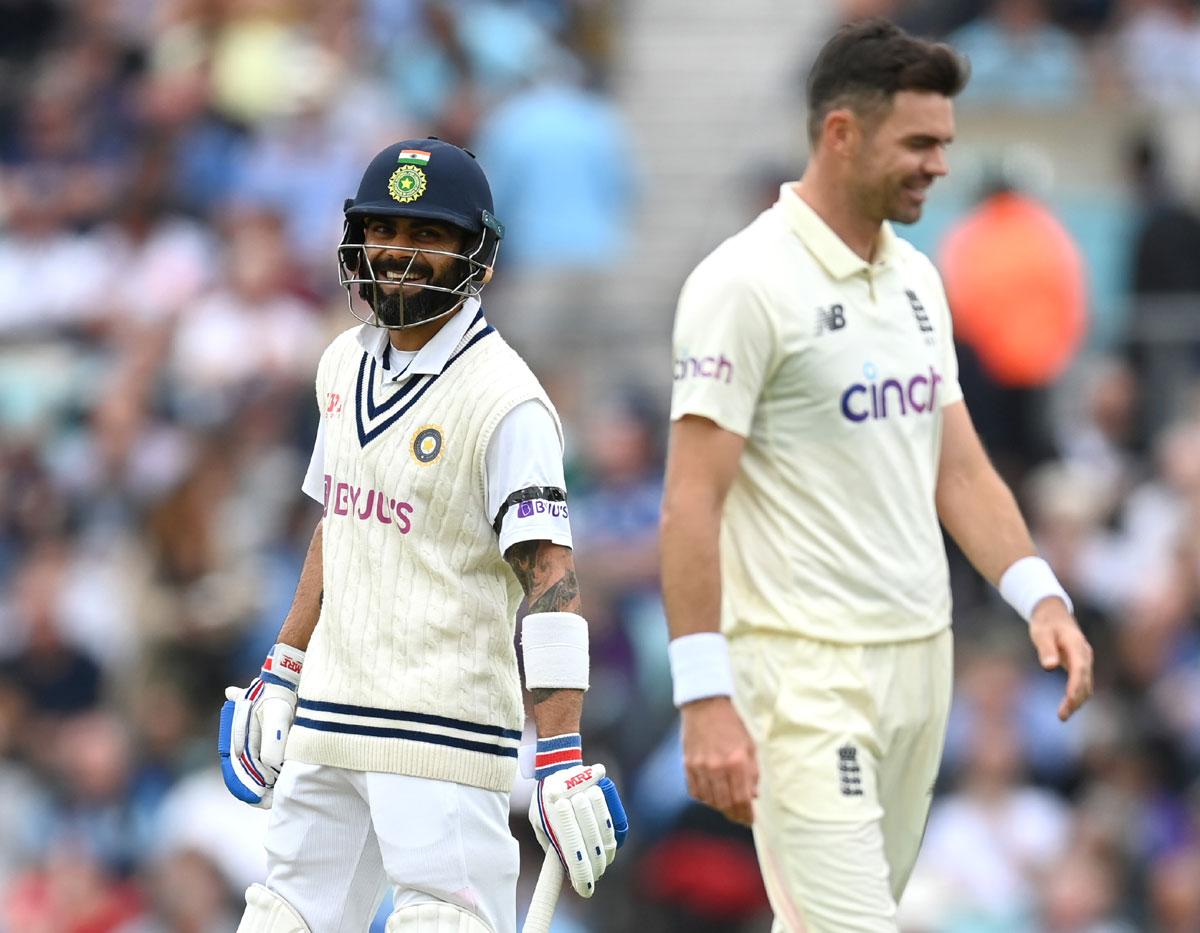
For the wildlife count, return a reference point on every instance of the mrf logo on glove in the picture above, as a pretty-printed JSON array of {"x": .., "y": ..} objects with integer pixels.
[
  {"x": 581, "y": 778},
  {"x": 287, "y": 662}
]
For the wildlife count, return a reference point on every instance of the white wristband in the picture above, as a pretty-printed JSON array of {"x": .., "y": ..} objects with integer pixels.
[
  {"x": 555, "y": 648},
  {"x": 700, "y": 667},
  {"x": 1027, "y": 582}
]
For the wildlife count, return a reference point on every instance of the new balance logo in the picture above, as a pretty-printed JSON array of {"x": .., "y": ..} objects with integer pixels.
[
  {"x": 849, "y": 773},
  {"x": 831, "y": 318}
]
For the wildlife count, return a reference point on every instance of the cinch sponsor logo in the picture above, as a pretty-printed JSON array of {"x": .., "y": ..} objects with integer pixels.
[
  {"x": 704, "y": 367},
  {"x": 369, "y": 505},
  {"x": 541, "y": 507},
  {"x": 875, "y": 400}
]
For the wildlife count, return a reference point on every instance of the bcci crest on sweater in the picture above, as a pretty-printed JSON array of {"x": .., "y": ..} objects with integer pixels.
[{"x": 427, "y": 444}]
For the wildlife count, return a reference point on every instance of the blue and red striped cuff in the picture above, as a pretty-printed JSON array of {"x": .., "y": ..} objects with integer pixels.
[{"x": 557, "y": 752}]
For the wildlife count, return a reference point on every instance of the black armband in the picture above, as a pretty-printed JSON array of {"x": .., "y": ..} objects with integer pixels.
[{"x": 549, "y": 493}]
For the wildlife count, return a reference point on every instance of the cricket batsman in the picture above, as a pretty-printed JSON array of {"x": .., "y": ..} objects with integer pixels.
[{"x": 383, "y": 729}]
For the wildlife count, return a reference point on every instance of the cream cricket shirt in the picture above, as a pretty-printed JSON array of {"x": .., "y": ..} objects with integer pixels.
[{"x": 835, "y": 371}]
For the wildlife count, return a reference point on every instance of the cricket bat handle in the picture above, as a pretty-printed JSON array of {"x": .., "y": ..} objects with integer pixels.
[{"x": 545, "y": 895}]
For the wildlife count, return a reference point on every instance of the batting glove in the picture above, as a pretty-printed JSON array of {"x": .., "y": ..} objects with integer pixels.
[
  {"x": 255, "y": 722},
  {"x": 576, "y": 811}
]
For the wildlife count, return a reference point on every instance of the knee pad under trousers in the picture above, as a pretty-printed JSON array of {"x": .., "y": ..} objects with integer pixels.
[
  {"x": 267, "y": 912},
  {"x": 434, "y": 917}
]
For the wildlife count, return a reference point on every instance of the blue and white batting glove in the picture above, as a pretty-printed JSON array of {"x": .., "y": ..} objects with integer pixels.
[
  {"x": 255, "y": 722},
  {"x": 576, "y": 811}
]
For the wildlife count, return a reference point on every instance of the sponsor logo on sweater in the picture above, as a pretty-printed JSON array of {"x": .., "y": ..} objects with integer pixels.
[{"x": 366, "y": 505}]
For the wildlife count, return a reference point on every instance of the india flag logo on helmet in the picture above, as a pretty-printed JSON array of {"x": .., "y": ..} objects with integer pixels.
[{"x": 413, "y": 157}]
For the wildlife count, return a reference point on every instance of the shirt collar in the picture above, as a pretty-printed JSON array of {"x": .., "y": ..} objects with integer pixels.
[
  {"x": 830, "y": 250},
  {"x": 431, "y": 359}
]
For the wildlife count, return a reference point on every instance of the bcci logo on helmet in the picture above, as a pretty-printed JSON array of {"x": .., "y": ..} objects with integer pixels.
[{"x": 407, "y": 183}]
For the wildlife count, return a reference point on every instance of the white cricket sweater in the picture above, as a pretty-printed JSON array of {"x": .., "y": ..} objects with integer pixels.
[{"x": 412, "y": 667}]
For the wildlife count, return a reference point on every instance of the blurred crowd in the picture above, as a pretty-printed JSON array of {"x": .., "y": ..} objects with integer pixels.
[
  {"x": 1053, "y": 53},
  {"x": 171, "y": 179}
]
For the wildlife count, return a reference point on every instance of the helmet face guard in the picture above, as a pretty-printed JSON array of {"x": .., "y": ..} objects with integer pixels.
[
  {"x": 472, "y": 270},
  {"x": 418, "y": 178}
]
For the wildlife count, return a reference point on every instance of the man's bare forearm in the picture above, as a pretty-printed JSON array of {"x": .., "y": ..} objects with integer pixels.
[
  {"x": 702, "y": 462},
  {"x": 974, "y": 503},
  {"x": 691, "y": 567},
  {"x": 547, "y": 574},
  {"x": 981, "y": 514},
  {"x": 302, "y": 618}
]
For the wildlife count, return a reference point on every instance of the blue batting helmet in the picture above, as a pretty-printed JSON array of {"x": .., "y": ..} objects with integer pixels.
[{"x": 425, "y": 178}]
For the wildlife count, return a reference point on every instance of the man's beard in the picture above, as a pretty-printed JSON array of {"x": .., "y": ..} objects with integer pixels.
[
  {"x": 394, "y": 309},
  {"x": 880, "y": 203}
]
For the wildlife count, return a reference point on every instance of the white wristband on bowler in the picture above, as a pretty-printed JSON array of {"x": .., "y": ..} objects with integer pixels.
[
  {"x": 700, "y": 667},
  {"x": 1027, "y": 582}
]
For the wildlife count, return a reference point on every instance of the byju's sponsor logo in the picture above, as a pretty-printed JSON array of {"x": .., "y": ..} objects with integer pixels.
[
  {"x": 875, "y": 400},
  {"x": 704, "y": 367},
  {"x": 531, "y": 507},
  {"x": 370, "y": 505}
]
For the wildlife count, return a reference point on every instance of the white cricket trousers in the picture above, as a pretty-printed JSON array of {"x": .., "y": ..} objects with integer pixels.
[
  {"x": 849, "y": 740},
  {"x": 336, "y": 839}
]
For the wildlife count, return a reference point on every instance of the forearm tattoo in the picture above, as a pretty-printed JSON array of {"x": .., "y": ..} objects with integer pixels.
[
  {"x": 542, "y": 694},
  {"x": 547, "y": 574},
  {"x": 521, "y": 558},
  {"x": 562, "y": 596}
]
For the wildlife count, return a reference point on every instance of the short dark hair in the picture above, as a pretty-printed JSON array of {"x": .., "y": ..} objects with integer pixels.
[{"x": 867, "y": 62}]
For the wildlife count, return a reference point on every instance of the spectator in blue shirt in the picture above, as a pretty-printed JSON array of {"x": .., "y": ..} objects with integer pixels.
[
  {"x": 1019, "y": 58},
  {"x": 561, "y": 166}
]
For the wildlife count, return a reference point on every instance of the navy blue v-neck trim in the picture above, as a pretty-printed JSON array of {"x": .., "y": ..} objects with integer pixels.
[{"x": 365, "y": 436}]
